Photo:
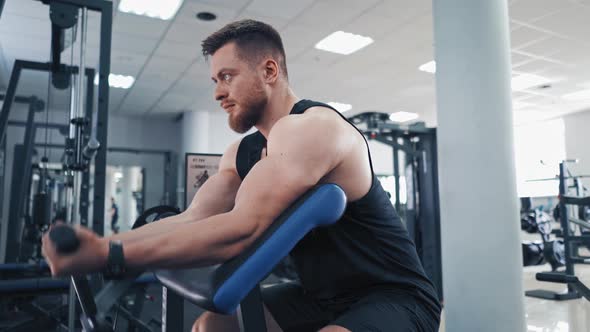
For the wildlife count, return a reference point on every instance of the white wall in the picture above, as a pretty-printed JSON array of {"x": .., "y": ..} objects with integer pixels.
[{"x": 144, "y": 132}]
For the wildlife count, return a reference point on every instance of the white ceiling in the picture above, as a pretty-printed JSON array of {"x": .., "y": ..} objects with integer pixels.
[{"x": 548, "y": 38}]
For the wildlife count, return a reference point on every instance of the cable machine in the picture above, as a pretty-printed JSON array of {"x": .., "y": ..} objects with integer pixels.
[{"x": 415, "y": 175}]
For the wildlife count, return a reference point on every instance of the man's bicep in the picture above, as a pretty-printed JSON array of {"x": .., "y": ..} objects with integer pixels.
[
  {"x": 217, "y": 195},
  {"x": 276, "y": 181},
  {"x": 265, "y": 193}
]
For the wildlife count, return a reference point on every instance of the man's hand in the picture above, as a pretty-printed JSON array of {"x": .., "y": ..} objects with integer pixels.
[{"x": 91, "y": 256}]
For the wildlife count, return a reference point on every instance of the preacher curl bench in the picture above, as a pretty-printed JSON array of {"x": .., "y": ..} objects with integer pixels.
[{"x": 231, "y": 287}]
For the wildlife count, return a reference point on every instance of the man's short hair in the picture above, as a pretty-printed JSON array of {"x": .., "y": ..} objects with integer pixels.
[{"x": 253, "y": 39}]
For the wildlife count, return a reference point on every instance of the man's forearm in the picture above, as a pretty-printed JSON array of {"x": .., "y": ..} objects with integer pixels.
[
  {"x": 210, "y": 241},
  {"x": 153, "y": 229},
  {"x": 169, "y": 224}
]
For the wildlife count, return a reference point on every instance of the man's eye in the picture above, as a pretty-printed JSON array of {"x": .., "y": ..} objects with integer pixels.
[{"x": 226, "y": 77}]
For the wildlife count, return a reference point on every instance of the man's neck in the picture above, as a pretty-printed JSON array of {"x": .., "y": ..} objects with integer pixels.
[{"x": 279, "y": 106}]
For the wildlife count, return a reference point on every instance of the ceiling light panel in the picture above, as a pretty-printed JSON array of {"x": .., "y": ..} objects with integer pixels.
[
  {"x": 163, "y": 10},
  {"x": 345, "y": 43}
]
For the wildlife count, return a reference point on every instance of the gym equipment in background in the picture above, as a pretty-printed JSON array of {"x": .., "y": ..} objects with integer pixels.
[
  {"x": 574, "y": 239},
  {"x": 415, "y": 173},
  {"x": 550, "y": 249}
]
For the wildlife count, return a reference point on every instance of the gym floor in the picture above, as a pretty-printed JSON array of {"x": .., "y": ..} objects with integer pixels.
[{"x": 553, "y": 316}]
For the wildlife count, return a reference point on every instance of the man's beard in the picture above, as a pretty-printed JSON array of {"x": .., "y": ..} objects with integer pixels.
[{"x": 250, "y": 112}]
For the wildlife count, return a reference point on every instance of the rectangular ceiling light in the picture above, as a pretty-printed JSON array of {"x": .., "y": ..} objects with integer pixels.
[
  {"x": 343, "y": 43},
  {"x": 577, "y": 96},
  {"x": 403, "y": 117},
  {"x": 525, "y": 81},
  {"x": 164, "y": 10},
  {"x": 118, "y": 81},
  {"x": 429, "y": 67},
  {"x": 340, "y": 107}
]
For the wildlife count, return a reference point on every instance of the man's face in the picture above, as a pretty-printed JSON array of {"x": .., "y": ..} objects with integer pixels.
[{"x": 239, "y": 88}]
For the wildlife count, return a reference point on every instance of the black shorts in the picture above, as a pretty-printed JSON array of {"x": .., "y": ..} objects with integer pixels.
[{"x": 378, "y": 311}]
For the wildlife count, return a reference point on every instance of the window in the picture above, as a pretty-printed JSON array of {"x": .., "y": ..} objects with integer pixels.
[
  {"x": 539, "y": 147},
  {"x": 388, "y": 184}
]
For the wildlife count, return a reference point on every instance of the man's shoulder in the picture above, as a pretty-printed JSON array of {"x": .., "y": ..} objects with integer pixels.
[
  {"x": 314, "y": 136},
  {"x": 228, "y": 159},
  {"x": 316, "y": 120}
]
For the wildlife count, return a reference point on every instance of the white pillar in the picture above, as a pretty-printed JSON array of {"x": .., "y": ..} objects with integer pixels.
[
  {"x": 481, "y": 254},
  {"x": 195, "y": 132},
  {"x": 195, "y": 139}
]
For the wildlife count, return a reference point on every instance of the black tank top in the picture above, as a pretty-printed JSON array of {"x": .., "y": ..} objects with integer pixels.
[{"x": 367, "y": 249}]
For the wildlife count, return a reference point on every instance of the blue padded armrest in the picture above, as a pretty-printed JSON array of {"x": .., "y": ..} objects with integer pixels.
[{"x": 221, "y": 288}]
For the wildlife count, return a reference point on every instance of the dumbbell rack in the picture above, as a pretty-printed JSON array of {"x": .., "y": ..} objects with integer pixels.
[{"x": 575, "y": 288}]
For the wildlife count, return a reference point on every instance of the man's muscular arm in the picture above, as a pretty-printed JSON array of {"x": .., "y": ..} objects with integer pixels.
[
  {"x": 301, "y": 151},
  {"x": 295, "y": 163},
  {"x": 217, "y": 195}
]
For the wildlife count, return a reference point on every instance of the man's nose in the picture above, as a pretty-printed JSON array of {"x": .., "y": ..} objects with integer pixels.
[{"x": 219, "y": 92}]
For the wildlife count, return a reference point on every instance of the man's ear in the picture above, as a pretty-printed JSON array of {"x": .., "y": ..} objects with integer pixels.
[{"x": 271, "y": 70}]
